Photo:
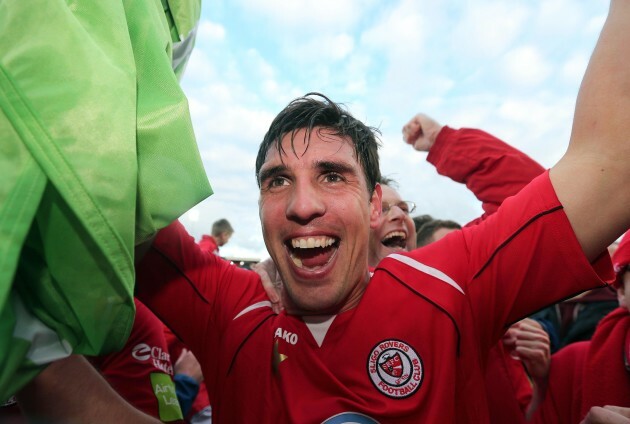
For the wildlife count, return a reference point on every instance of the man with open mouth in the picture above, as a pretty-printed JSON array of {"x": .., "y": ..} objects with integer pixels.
[
  {"x": 395, "y": 231},
  {"x": 407, "y": 347}
]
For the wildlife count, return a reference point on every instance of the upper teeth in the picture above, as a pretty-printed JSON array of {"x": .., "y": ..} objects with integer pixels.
[
  {"x": 395, "y": 234},
  {"x": 310, "y": 242}
]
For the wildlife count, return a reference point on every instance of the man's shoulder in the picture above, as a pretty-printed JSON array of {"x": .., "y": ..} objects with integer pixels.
[
  {"x": 427, "y": 279},
  {"x": 208, "y": 243},
  {"x": 415, "y": 269}
]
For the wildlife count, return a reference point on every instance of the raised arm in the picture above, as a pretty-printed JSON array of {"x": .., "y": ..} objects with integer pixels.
[
  {"x": 592, "y": 180},
  {"x": 491, "y": 169},
  {"x": 207, "y": 287}
]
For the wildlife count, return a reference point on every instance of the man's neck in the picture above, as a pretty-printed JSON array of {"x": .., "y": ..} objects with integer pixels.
[{"x": 350, "y": 302}]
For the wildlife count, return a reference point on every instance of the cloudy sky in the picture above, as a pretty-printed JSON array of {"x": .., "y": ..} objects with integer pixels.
[{"x": 511, "y": 68}]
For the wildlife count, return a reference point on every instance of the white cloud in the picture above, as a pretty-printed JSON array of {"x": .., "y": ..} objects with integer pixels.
[
  {"x": 399, "y": 32},
  {"x": 261, "y": 67},
  {"x": 356, "y": 86},
  {"x": 323, "y": 48},
  {"x": 235, "y": 120},
  {"x": 525, "y": 66},
  {"x": 192, "y": 215},
  {"x": 210, "y": 32},
  {"x": 308, "y": 17},
  {"x": 486, "y": 29},
  {"x": 199, "y": 68},
  {"x": 340, "y": 46}
]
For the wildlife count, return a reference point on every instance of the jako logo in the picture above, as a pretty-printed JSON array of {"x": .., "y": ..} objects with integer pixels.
[{"x": 287, "y": 336}]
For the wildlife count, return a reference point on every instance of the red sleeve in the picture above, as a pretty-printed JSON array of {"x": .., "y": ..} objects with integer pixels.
[
  {"x": 491, "y": 169},
  {"x": 520, "y": 259},
  {"x": 195, "y": 294}
]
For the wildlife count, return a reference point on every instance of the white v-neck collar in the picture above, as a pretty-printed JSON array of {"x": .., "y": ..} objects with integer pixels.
[{"x": 318, "y": 326}]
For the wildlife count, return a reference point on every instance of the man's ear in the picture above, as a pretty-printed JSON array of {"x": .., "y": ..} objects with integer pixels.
[{"x": 376, "y": 206}]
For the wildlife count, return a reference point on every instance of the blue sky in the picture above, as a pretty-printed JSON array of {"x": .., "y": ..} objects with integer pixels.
[{"x": 511, "y": 68}]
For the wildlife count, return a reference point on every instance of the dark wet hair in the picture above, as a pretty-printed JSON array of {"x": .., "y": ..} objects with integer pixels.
[
  {"x": 316, "y": 110},
  {"x": 420, "y": 220}
]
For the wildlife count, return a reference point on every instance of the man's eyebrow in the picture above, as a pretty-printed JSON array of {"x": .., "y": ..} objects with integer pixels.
[
  {"x": 338, "y": 167},
  {"x": 271, "y": 172}
]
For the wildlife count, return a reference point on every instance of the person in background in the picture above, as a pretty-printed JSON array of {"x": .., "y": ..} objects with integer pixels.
[
  {"x": 395, "y": 231},
  {"x": 493, "y": 171},
  {"x": 575, "y": 319},
  {"x": 526, "y": 340},
  {"x": 434, "y": 230},
  {"x": 586, "y": 376},
  {"x": 420, "y": 220},
  {"x": 490, "y": 168},
  {"x": 221, "y": 233}
]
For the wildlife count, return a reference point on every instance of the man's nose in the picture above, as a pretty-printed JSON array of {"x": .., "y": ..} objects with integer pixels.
[
  {"x": 395, "y": 212},
  {"x": 305, "y": 203}
]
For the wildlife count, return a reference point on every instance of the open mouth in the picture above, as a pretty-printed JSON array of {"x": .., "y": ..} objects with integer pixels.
[
  {"x": 395, "y": 239},
  {"x": 312, "y": 252}
]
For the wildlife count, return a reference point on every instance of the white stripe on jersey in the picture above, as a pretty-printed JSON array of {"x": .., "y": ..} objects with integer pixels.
[
  {"x": 426, "y": 269},
  {"x": 254, "y": 306}
]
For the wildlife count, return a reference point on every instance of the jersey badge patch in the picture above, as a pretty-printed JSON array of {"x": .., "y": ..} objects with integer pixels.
[{"x": 395, "y": 369}]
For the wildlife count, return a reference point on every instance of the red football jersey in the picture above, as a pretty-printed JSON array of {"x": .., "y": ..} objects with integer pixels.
[
  {"x": 409, "y": 352},
  {"x": 141, "y": 372},
  {"x": 590, "y": 373}
]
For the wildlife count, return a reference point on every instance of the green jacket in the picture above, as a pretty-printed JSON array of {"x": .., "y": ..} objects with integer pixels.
[{"x": 97, "y": 152}]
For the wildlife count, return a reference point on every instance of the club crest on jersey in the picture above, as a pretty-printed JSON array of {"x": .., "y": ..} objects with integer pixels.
[{"x": 395, "y": 368}]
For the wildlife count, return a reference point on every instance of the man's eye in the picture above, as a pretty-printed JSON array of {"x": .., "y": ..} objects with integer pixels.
[
  {"x": 277, "y": 182},
  {"x": 333, "y": 178}
]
